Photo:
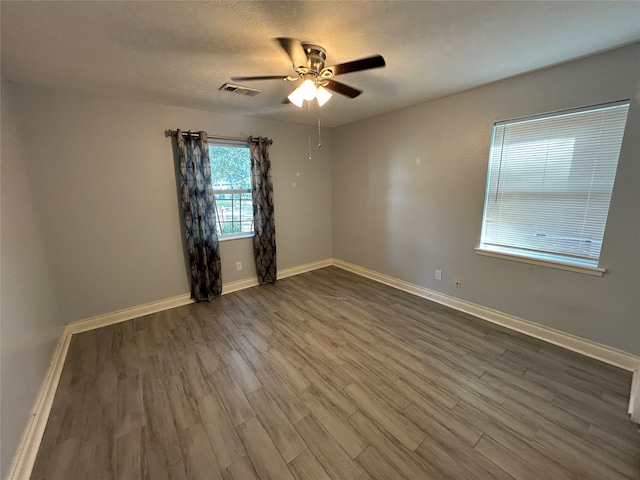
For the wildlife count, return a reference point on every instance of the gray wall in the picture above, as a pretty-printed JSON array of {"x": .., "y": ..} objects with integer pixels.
[
  {"x": 106, "y": 190},
  {"x": 91, "y": 222},
  {"x": 90, "y": 219},
  {"x": 405, "y": 220},
  {"x": 30, "y": 322}
]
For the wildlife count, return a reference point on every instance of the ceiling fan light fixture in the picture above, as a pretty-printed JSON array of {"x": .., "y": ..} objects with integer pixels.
[
  {"x": 296, "y": 97},
  {"x": 322, "y": 95},
  {"x": 308, "y": 89}
]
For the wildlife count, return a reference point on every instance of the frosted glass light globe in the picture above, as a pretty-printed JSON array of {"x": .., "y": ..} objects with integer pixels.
[{"x": 308, "y": 90}]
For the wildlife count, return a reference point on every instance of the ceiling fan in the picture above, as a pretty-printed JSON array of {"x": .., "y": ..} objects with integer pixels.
[{"x": 308, "y": 64}]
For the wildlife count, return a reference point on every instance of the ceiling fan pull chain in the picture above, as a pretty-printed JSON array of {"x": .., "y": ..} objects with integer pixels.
[
  {"x": 319, "y": 134},
  {"x": 309, "y": 135}
]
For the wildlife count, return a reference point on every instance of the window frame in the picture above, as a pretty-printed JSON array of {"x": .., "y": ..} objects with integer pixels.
[
  {"x": 232, "y": 191},
  {"x": 555, "y": 259}
]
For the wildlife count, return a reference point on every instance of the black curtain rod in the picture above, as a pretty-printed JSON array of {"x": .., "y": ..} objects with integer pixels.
[{"x": 169, "y": 133}]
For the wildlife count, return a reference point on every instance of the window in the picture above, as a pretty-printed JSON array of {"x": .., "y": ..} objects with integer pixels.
[
  {"x": 231, "y": 179},
  {"x": 549, "y": 185}
]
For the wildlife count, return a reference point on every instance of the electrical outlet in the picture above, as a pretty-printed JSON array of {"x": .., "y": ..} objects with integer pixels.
[
  {"x": 238, "y": 266},
  {"x": 438, "y": 274},
  {"x": 457, "y": 282}
]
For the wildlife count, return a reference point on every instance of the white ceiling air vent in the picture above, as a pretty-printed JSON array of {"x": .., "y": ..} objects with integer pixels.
[{"x": 229, "y": 87}]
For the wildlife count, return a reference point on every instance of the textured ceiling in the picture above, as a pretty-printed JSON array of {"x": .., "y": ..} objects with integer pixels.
[{"x": 180, "y": 53}]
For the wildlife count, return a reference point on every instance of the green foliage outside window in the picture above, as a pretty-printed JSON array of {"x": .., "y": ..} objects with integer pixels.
[
  {"x": 231, "y": 180},
  {"x": 230, "y": 167}
]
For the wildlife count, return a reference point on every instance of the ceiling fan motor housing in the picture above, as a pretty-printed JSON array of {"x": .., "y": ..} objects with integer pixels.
[{"x": 316, "y": 56}]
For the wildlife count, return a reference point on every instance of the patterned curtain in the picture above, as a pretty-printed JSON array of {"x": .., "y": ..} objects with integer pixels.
[
  {"x": 264, "y": 240},
  {"x": 199, "y": 209}
]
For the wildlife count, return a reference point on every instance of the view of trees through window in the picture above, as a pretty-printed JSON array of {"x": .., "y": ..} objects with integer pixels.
[{"x": 231, "y": 179}]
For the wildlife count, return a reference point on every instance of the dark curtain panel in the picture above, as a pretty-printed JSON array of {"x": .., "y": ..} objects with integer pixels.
[
  {"x": 264, "y": 241},
  {"x": 199, "y": 210}
]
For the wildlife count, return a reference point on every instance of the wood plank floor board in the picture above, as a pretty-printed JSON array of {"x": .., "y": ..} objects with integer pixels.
[
  {"x": 517, "y": 467},
  {"x": 249, "y": 353},
  {"x": 513, "y": 386},
  {"x": 465, "y": 387},
  {"x": 183, "y": 406},
  {"x": 334, "y": 424},
  {"x": 615, "y": 444},
  {"x": 593, "y": 458},
  {"x": 328, "y": 375},
  {"x": 366, "y": 371},
  {"x": 286, "y": 369},
  {"x": 403, "y": 460},
  {"x": 373, "y": 463},
  {"x": 208, "y": 359},
  {"x": 498, "y": 365},
  {"x": 194, "y": 375},
  {"x": 400, "y": 427},
  {"x": 327, "y": 451},
  {"x": 563, "y": 383},
  {"x": 442, "y": 444},
  {"x": 263, "y": 453},
  {"x": 525, "y": 452},
  {"x": 583, "y": 468},
  {"x": 307, "y": 467},
  {"x": 160, "y": 431},
  {"x": 443, "y": 461},
  {"x": 596, "y": 417},
  {"x": 242, "y": 372},
  {"x": 446, "y": 444},
  {"x": 62, "y": 464},
  {"x": 129, "y": 454},
  {"x": 427, "y": 416},
  {"x": 614, "y": 398},
  {"x": 241, "y": 469},
  {"x": 200, "y": 461},
  {"x": 175, "y": 472},
  {"x": 231, "y": 396},
  {"x": 283, "y": 395},
  {"x": 282, "y": 433},
  {"x": 222, "y": 435},
  {"x": 399, "y": 364},
  {"x": 542, "y": 412},
  {"x": 327, "y": 390},
  {"x": 425, "y": 392}
]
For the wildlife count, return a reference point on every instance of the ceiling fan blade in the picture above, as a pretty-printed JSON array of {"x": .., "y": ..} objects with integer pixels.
[
  {"x": 264, "y": 77},
  {"x": 341, "y": 88},
  {"x": 356, "y": 66},
  {"x": 294, "y": 49}
]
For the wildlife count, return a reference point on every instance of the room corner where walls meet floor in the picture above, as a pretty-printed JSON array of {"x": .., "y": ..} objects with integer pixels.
[{"x": 28, "y": 448}]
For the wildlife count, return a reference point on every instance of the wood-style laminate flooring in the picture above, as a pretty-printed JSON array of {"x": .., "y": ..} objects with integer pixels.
[{"x": 327, "y": 375}]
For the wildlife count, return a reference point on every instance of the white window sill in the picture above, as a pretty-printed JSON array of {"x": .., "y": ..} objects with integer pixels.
[
  {"x": 235, "y": 236},
  {"x": 595, "y": 271}
]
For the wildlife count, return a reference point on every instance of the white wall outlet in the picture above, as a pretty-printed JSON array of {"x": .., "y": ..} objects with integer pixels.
[
  {"x": 238, "y": 266},
  {"x": 457, "y": 282},
  {"x": 438, "y": 274}
]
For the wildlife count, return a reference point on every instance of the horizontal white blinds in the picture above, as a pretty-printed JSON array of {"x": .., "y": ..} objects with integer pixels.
[{"x": 550, "y": 181}]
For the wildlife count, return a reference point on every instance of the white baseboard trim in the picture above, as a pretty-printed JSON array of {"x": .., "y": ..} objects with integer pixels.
[
  {"x": 127, "y": 314},
  {"x": 586, "y": 347},
  {"x": 304, "y": 268},
  {"x": 27, "y": 451},
  {"x": 634, "y": 399},
  {"x": 239, "y": 285},
  {"x": 179, "y": 300},
  {"x": 284, "y": 273},
  {"x": 25, "y": 456}
]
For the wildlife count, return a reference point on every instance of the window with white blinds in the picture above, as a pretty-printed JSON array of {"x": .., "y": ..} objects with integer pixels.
[{"x": 549, "y": 184}]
